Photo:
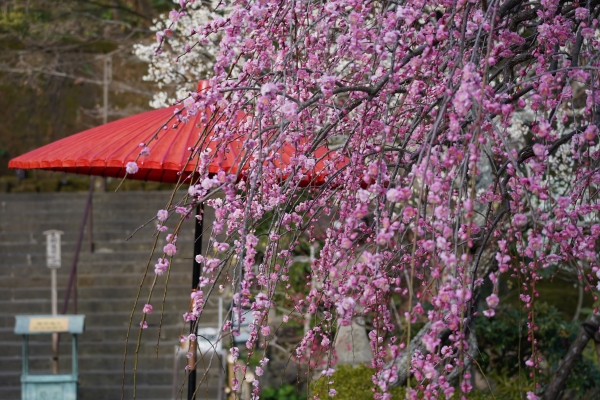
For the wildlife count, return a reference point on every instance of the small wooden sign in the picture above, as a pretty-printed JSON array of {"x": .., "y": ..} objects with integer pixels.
[{"x": 49, "y": 325}]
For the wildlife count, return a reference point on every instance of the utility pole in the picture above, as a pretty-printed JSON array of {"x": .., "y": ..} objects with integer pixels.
[{"x": 105, "y": 83}]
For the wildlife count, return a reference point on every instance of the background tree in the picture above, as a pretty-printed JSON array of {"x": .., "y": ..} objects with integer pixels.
[
  {"x": 52, "y": 67},
  {"x": 177, "y": 76}
]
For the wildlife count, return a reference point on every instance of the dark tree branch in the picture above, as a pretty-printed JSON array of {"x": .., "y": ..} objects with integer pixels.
[
  {"x": 588, "y": 331},
  {"x": 508, "y": 6}
]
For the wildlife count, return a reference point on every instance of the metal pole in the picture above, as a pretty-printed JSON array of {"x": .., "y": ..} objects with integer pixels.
[
  {"x": 54, "y": 312},
  {"x": 106, "y": 82},
  {"x": 223, "y": 366},
  {"x": 91, "y": 226},
  {"x": 53, "y": 290},
  {"x": 74, "y": 370},
  {"x": 25, "y": 355},
  {"x": 73, "y": 275},
  {"x": 196, "y": 270}
]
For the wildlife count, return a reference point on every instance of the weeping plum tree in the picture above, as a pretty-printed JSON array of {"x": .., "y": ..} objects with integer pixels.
[{"x": 438, "y": 144}]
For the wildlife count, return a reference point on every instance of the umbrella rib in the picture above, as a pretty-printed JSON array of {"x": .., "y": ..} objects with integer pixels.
[{"x": 139, "y": 131}]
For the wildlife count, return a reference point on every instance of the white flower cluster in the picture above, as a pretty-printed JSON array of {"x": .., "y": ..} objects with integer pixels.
[{"x": 175, "y": 73}]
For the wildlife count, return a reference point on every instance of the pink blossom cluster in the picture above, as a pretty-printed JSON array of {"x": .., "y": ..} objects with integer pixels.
[{"x": 431, "y": 148}]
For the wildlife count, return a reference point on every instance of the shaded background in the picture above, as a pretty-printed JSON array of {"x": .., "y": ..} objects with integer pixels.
[{"x": 52, "y": 62}]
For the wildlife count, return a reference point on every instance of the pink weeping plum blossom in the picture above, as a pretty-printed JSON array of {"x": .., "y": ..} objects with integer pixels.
[
  {"x": 161, "y": 266},
  {"x": 424, "y": 149},
  {"x": 162, "y": 215},
  {"x": 170, "y": 249},
  {"x": 532, "y": 396},
  {"x": 492, "y": 301}
]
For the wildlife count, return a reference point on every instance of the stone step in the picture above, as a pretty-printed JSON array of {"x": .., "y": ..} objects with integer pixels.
[
  {"x": 147, "y": 345},
  {"x": 38, "y": 251},
  {"x": 141, "y": 243},
  {"x": 113, "y": 212},
  {"x": 98, "y": 262},
  {"x": 107, "y": 210},
  {"x": 126, "y": 225},
  {"x": 140, "y": 197},
  {"x": 100, "y": 204},
  {"x": 154, "y": 385},
  {"x": 147, "y": 372},
  {"x": 103, "y": 392},
  {"x": 42, "y": 363},
  {"x": 32, "y": 253},
  {"x": 124, "y": 292},
  {"x": 92, "y": 280},
  {"x": 37, "y": 238},
  {"x": 144, "y": 210},
  {"x": 146, "y": 392},
  {"x": 173, "y": 303},
  {"x": 101, "y": 210},
  {"x": 110, "y": 210}
]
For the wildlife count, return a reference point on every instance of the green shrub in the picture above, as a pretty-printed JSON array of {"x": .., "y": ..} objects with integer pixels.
[
  {"x": 25, "y": 186},
  {"x": 8, "y": 182},
  {"x": 504, "y": 349},
  {"x": 283, "y": 392},
  {"x": 351, "y": 383},
  {"x": 75, "y": 184},
  {"x": 50, "y": 185}
]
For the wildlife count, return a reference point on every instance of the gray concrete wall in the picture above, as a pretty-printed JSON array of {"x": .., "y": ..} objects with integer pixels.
[{"x": 108, "y": 280}]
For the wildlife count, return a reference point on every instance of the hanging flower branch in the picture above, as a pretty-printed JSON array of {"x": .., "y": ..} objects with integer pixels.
[{"x": 439, "y": 145}]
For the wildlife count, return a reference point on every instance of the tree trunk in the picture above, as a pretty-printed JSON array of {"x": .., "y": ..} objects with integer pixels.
[
  {"x": 589, "y": 330},
  {"x": 416, "y": 344}
]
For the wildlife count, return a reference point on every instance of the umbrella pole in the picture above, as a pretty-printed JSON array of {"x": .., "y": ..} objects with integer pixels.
[{"x": 194, "y": 324}]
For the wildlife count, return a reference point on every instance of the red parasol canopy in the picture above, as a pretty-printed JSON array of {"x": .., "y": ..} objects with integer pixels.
[{"x": 105, "y": 150}]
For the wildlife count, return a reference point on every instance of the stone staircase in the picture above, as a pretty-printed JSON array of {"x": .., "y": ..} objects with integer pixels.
[{"x": 108, "y": 280}]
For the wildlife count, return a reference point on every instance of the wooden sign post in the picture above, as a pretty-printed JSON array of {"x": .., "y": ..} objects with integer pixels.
[{"x": 53, "y": 261}]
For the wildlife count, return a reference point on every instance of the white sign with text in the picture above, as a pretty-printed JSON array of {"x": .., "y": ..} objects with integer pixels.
[{"x": 53, "y": 259}]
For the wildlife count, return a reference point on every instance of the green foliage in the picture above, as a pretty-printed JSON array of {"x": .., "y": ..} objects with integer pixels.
[
  {"x": 283, "y": 392},
  {"x": 505, "y": 349},
  {"x": 507, "y": 387},
  {"x": 13, "y": 21},
  {"x": 351, "y": 383}
]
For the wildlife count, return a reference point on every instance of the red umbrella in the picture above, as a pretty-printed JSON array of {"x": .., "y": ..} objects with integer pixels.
[{"x": 105, "y": 150}]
